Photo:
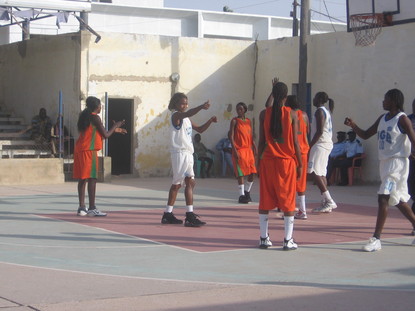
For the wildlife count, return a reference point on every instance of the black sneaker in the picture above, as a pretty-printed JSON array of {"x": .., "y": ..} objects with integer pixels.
[
  {"x": 192, "y": 220},
  {"x": 264, "y": 243},
  {"x": 243, "y": 199},
  {"x": 169, "y": 218},
  {"x": 248, "y": 196},
  {"x": 82, "y": 211}
]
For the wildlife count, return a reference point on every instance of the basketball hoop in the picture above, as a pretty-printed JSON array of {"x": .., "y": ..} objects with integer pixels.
[{"x": 366, "y": 27}]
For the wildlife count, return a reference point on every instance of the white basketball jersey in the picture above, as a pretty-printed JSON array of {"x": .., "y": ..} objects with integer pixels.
[
  {"x": 392, "y": 143},
  {"x": 181, "y": 136},
  {"x": 325, "y": 139}
]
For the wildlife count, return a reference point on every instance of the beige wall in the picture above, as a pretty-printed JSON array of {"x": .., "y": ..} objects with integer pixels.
[{"x": 139, "y": 67}]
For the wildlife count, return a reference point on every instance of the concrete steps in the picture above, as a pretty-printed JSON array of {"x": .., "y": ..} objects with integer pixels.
[{"x": 15, "y": 144}]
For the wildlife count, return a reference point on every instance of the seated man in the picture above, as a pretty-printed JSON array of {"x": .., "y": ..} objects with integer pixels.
[
  {"x": 354, "y": 149},
  {"x": 202, "y": 155},
  {"x": 338, "y": 151},
  {"x": 41, "y": 127},
  {"x": 225, "y": 147}
]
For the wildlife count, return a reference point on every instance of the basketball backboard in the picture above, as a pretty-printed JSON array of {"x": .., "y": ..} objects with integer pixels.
[{"x": 402, "y": 11}]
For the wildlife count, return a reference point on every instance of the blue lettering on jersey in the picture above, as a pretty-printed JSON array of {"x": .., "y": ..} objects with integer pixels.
[{"x": 383, "y": 137}]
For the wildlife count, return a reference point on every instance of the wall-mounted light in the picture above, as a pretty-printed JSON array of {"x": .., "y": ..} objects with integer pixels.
[{"x": 175, "y": 77}]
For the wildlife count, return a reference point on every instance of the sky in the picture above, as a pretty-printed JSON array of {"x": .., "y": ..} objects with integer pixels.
[{"x": 335, "y": 8}]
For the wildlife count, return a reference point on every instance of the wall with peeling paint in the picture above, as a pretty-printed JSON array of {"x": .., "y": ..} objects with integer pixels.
[{"x": 139, "y": 67}]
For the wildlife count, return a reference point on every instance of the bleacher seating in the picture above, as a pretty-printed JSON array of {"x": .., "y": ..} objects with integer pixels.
[{"x": 13, "y": 144}]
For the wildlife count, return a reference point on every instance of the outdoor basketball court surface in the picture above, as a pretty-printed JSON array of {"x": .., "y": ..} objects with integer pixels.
[{"x": 51, "y": 259}]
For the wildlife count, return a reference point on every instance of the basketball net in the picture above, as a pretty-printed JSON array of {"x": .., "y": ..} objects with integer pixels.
[{"x": 366, "y": 28}]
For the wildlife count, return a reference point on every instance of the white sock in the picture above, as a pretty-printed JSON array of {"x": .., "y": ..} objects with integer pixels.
[
  {"x": 189, "y": 208},
  {"x": 263, "y": 225},
  {"x": 288, "y": 227},
  {"x": 301, "y": 199},
  {"x": 241, "y": 189},
  {"x": 326, "y": 195},
  {"x": 249, "y": 185},
  {"x": 169, "y": 209}
]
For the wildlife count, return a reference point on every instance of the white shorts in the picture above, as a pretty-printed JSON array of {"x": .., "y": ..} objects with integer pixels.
[
  {"x": 394, "y": 175},
  {"x": 182, "y": 167},
  {"x": 318, "y": 159}
]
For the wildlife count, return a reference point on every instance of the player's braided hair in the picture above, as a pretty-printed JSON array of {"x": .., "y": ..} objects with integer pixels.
[
  {"x": 396, "y": 96},
  {"x": 279, "y": 91},
  {"x": 85, "y": 116}
]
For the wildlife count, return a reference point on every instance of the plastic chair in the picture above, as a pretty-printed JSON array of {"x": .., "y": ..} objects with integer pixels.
[
  {"x": 197, "y": 166},
  {"x": 356, "y": 166}
]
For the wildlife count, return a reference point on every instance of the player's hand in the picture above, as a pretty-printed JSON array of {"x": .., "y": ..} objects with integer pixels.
[
  {"x": 206, "y": 105},
  {"x": 275, "y": 81},
  {"x": 348, "y": 122},
  {"x": 214, "y": 119},
  {"x": 120, "y": 130}
]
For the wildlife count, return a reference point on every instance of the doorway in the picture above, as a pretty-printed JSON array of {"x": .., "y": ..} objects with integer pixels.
[{"x": 119, "y": 146}]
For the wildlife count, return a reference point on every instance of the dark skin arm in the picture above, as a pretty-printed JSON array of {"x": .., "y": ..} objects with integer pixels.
[
  {"x": 116, "y": 127},
  {"x": 179, "y": 115},
  {"x": 294, "y": 124},
  {"x": 319, "y": 114},
  {"x": 205, "y": 126},
  {"x": 364, "y": 134},
  {"x": 261, "y": 142},
  {"x": 231, "y": 137},
  {"x": 406, "y": 124}
]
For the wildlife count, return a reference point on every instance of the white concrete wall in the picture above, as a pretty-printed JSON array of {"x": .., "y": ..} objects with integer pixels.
[{"x": 149, "y": 17}]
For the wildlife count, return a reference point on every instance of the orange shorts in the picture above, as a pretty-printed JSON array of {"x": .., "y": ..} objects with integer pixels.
[
  {"x": 277, "y": 184},
  {"x": 85, "y": 164},
  {"x": 246, "y": 164},
  {"x": 302, "y": 182}
]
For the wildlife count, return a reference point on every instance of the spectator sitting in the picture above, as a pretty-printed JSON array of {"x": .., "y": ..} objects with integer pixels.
[
  {"x": 202, "y": 155},
  {"x": 338, "y": 151},
  {"x": 225, "y": 147},
  {"x": 354, "y": 149},
  {"x": 67, "y": 139},
  {"x": 40, "y": 128}
]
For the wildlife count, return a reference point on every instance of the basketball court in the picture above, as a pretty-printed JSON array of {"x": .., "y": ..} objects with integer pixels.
[{"x": 51, "y": 259}]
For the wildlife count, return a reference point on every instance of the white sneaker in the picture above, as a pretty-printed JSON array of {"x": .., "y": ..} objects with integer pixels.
[
  {"x": 331, "y": 204},
  {"x": 289, "y": 245},
  {"x": 300, "y": 215},
  {"x": 96, "y": 213},
  {"x": 373, "y": 245},
  {"x": 322, "y": 209},
  {"x": 264, "y": 243}
]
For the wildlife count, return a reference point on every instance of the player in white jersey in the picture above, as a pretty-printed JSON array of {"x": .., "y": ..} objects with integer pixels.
[
  {"x": 320, "y": 147},
  {"x": 395, "y": 138},
  {"x": 181, "y": 152}
]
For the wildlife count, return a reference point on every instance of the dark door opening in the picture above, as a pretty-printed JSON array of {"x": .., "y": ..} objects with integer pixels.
[{"x": 119, "y": 146}]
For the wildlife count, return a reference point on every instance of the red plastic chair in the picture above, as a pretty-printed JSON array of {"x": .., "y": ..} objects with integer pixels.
[{"x": 354, "y": 167}]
